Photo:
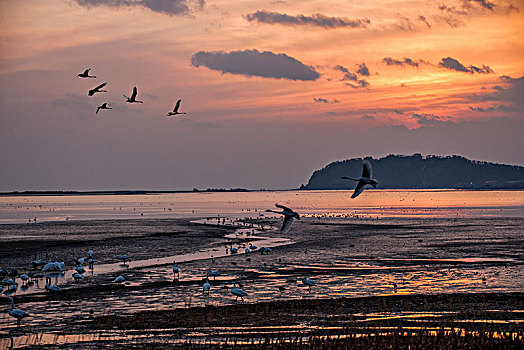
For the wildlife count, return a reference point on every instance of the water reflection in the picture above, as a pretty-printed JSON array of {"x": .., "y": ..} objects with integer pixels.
[{"x": 377, "y": 204}]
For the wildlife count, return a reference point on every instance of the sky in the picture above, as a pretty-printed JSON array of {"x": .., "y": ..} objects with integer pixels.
[{"x": 273, "y": 90}]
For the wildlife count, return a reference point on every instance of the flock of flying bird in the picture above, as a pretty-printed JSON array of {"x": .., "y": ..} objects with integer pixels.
[
  {"x": 288, "y": 213},
  {"x": 132, "y": 99}
]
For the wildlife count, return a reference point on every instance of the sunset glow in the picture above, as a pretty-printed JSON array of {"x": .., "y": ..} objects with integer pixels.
[{"x": 270, "y": 88}]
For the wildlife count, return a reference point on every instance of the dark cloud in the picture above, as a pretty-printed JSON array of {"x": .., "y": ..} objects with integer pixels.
[
  {"x": 347, "y": 74},
  {"x": 501, "y": 108},
  {"x": 404, "y": 62},
  {"x": 431, "y": 119},
  {"x": 325, "y": 100},
  {"x": 484, "y": 70},
  {"x": 368, "y": 117},
  {"x": 511, "y": 94},
  {"x": 350, "y": 76},
  {"x": 168, "y": 7},
  {"x": 363, "y": 70},
  {"x": 254, "y": 63},
  {"x": 485, "y": 4},
  {"x": 361, "y": 83},
  {"x": 423, "y": 19},
  {"x": 316, "y": 20},
  {"x": 453, "y": 64}
]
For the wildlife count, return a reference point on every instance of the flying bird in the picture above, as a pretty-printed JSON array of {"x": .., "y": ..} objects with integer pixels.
[
  {"x": 132, "y": 99},
  {"x": 86, "y": 74},
  {"x": 104, "y": 105},
  {"x": 289, "y": 216},
  {"x": 365, "y": 179},
  {"x": 175, "y": 110},
  {"x": 97, "y": 89}
]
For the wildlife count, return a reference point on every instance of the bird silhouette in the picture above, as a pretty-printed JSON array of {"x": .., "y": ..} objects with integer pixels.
[
  {"x": 365, "y": 179},
  {"x": 132, "y": 99},
  {"x": 289, "y": 216},
  {"x": 238, "y": 292},
  {"x": 97, "y": 89},
  {"x": 104, "y": 105},
  {"x": 175, "y": 110},
  {"x": 17, "y": 313},
  {"x": 85, "y": 74}
]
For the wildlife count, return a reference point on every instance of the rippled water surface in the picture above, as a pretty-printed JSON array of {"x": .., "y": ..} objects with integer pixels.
[{"x": 384, "y": 243}]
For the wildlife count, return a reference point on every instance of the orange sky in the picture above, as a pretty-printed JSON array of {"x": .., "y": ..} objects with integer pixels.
[{"x": 425, "y": 106}]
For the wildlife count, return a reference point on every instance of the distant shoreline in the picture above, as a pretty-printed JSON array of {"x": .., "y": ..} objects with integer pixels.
[{"x": 144, "y": 192}]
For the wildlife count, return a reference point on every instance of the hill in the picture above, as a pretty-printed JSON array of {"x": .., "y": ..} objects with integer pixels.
[{"x": 417, "y": 171}]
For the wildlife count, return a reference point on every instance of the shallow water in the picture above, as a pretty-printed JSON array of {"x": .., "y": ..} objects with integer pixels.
[
  {"x": 373, "y": 203},
  {"x": 424, "y": 255}
]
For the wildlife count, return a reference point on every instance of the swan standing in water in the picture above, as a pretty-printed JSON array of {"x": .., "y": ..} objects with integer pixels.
[
  {"x": 119, "y": 279},
  {"x": 176, "y": 271},
  {"x": 289, "y": 216},
  {"x": 365, "y": 179},
  {"x": 175, "y": 110},
  {"x": 308, "y": 282},
  {"x": 132, "y": 99},
  {"x": 206, "y": 287},
  {"x": 124, "y": 257},
  {"x": 17, "y": 313},
  {"x": 238, "y": 292}
]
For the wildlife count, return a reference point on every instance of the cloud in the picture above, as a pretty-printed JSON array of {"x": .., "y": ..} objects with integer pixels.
[
  {"x": 368, "y": 117},
  {"x": 168, "y": 7},
  {"x": 316, "y": 20},
  {"x": 405, "y": 23},
  {"x": 325, "y": 100},
  {"x": 501, "y": 108},
  {"x": 404, "y": 62},
  {"x": 485, "y": 4},
  {"x": 363, "y": 70},
  {"x": 511, "y": 94},
  {"x": 254, "y": 63},
  {"x": 431, "y": 119},
  {"x": 453, "y": 64},
  {"x": 350, "y": 76}
]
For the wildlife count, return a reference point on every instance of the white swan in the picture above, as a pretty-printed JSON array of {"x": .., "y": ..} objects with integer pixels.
[
  {"x": 289, "y": 216},
  {"x": 132, "y": 99},
  {"x": 97, "y": 89},
  {"x": 365, "y": 179},
  {"x": 238, "y": 292},
  {"x": 17, "y": 313},
  {"x": 119, "y": 279},
  {"x": 308, "y": 282},
  {"x": 104, "y": 105},
  {"x": 85, "y": 74},
  {"x": 175, "y": 110},
  {"x": 206, "y": 287}
]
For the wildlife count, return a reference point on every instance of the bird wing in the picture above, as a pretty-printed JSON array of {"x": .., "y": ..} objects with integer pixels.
[
  {"x": 100, "y": 86},
  {"x": 358, "y": 190},
  {"x": 177, "y": 106},
  {"x": 86, "y": 72},
  {"x": 133, "y": 96},
  {"x": 366, "y": 169},
  {"x": 282, "y": 207},
  {"x": 288, "y": 220},
  {"x": 98, "y": 109}
]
